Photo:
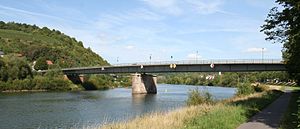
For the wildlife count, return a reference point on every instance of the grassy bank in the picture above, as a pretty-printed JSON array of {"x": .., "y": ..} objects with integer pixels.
[
  {"x": 233, "y": 112},
  {"x": 227, "y": 114}
]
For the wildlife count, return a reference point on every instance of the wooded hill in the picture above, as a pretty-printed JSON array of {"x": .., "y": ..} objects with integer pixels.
[{"x": 34, "y": 42}]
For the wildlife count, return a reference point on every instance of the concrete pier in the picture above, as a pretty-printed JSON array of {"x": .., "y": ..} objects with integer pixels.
[
  {"x": 76, "y": 79},
  {"x": 144, "y": 84}
]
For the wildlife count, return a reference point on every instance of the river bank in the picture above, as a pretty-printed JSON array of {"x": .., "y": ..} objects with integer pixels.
[
  {"x": 17, "y": 91},
  {"x": 229, "y": 113}
]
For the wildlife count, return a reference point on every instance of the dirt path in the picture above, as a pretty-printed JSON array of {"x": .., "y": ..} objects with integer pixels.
[{"x": 269, "y": 118}]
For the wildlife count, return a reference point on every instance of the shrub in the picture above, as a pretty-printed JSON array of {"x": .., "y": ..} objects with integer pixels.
[
  {"x": 260, "y": 88},
  {"x": 197, "y": 97},
  {"x": 41, "y": 64},
  {"x": 245, "y": 89}
]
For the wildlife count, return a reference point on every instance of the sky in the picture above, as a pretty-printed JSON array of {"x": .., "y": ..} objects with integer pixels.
[{"x": 126, "y": 31}]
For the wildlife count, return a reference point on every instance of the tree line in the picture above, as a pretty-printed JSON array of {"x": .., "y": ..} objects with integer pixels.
[{"x": 228, "y": 79}]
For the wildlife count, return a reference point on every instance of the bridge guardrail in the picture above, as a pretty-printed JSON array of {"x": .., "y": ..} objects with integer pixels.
[
  {"x": 216, "y": 61},
  {"x": 225, "y": 61}
]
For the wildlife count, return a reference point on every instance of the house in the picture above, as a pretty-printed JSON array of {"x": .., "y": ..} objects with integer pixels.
[
  {"x": 1, "y": 53},
  {"x": 49, "y": 62}
]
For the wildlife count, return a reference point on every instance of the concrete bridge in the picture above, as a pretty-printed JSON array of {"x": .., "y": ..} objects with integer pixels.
[{"x": 146, "y": 83}]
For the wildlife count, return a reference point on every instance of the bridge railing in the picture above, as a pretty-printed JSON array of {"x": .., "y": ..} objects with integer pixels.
[{"x": 219, "y": 61}]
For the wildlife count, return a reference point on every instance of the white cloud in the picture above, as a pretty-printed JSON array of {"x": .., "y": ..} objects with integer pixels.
[
  {"x": 207, "y": 7},
  {"x": 25, "y": 12},
  {"x": 255, "y": 50},
  {"x": 111, "y": 20},
  {"x": 179, "y": 7},
  {"x": 167, "y": 6},
  {"x": 129, "y": 47}
]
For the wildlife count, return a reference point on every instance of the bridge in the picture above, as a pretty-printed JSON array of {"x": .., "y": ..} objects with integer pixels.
[{"x": 146, "y": 83}]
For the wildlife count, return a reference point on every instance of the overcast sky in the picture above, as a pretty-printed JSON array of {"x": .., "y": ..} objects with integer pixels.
[{"x": 132, "y": 30}]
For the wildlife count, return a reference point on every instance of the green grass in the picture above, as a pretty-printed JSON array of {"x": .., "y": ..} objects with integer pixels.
[
  {"x": 294, "y": 88},
  {"x": 222, "y": 117},
  {"x": 232, "y": 114},
  {"x": 289, "y": 120}
]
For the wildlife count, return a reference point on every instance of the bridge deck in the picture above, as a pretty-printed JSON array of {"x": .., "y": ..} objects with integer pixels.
[{"x": 184, "y": 66}]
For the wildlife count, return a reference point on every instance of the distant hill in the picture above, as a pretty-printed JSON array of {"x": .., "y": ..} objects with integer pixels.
[{"x": 34, "y": 42}]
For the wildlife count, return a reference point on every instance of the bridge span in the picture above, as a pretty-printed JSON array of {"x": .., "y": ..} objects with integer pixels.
[
  {"x": 146, "y": 83},
  {"x": 249, "y": 65}
]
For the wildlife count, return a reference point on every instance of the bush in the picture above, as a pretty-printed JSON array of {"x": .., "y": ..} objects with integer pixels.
[
  {"x": 245, "y": 89},
  {"x": 260, "y": 88},
  {"x": 41, "y": 64},
  {"x": 51, "y": 84},
  {"x": 197, "y": 97}
]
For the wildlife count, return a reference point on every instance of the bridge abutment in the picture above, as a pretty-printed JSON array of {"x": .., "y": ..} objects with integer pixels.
[
  {"x": 144, "y": 84},
  {"x": 76, "y": 79}
]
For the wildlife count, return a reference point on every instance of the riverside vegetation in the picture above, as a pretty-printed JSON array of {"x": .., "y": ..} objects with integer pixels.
[
  {"x": 226, "y": 79},
  {"x": 25, "y": 44}
]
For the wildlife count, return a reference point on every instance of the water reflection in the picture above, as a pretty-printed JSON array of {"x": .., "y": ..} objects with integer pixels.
[{"x": 141, "y": 99}]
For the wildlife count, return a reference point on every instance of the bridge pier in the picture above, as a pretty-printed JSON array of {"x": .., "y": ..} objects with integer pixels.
[
  {"x": 76, "y": 79},
  {"x": 144, "y": 84}
]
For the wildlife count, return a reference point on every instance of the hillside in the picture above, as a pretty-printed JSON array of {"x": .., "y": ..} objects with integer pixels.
[{"x": 34, "y": 42}]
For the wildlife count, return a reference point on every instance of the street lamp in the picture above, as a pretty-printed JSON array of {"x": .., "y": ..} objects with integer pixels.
[
  {"x": 196, "y": 56},
  {"x": 117, "y": 59},
  {"x": 150, "y": 58}
]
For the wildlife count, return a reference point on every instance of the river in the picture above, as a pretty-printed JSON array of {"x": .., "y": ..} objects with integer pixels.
[{"x": 83, "y": 108}]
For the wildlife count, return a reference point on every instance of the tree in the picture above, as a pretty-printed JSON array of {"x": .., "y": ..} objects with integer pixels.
[
  {"x": 3, "y": 71},
  {"x": 283, "y": 26},
  {"x": 41, "y": 64}
]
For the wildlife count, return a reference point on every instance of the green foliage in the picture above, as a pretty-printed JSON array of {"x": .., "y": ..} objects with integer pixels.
[
  {"x": 261, "y": 88},
  {"x": 15, "y": 74},
  {"x": 197, "y": 97},
  {"x": 221, "y": 117},
  {"x": 41, "y": 64},
  {"x": 93, "y": 82},
  {"x": 231, "y": 115},
  {"x": 291, "y": 118},
  {"x": 35, "y": 43},
  {"x": 53, "y": 84},
  {"x": 3, "y": 71},
  {"x": 226, "y": 79},
  {"x": 41, "y": 44},
  {"x": 245, "y": 89},
  {"x": 14, "y": 68},
  {"x": 283, "y": 26}
]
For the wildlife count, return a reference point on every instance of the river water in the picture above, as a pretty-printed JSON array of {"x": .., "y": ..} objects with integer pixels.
[{"x": 84, "y": 108}]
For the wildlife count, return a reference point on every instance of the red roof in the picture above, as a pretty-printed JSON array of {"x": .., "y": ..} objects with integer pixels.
[{"x": 49, "y": 62}]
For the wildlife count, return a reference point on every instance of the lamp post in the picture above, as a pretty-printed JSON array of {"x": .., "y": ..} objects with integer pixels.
[
  {"x": 117, "y": 59},
  {"x": 150, "y": 58},
  {"x": 196, "y": 56}
]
